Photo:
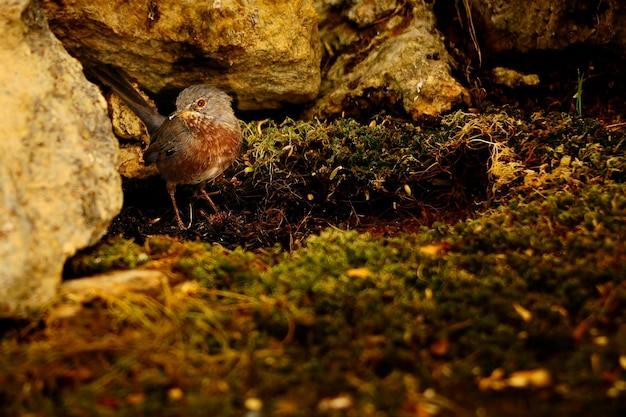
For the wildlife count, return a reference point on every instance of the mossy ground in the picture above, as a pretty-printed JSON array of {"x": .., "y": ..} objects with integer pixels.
[{"x": 498, "y": 248}]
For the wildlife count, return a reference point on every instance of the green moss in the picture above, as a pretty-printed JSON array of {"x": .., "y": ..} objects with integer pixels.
[
  {"x": 114, "y": 253},
  {"x": 533, "y": 280}
]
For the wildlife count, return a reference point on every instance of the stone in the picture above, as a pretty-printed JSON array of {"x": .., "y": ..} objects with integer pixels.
[
  {"x": 114, "y": 284},
  {"x": 265, "y": 53},
  {"x": 368, "y": 12},
  {"x": 59, "y": 186},
  {"x": 133, "y": 137},
  {"x": 400, "y": 64},
  {"x": 132, "y": 165},
  {"x": 126, "y": 124},
  {"x": 541, "y": 24},
  {"x": 512, "y": 78}
]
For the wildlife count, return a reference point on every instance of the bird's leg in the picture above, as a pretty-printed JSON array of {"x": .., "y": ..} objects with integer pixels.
[
  {"x": 171, "y": 190},
  {"x": 206, "y": 196}
]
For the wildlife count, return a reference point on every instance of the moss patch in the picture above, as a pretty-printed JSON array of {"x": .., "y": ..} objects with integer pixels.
[
  {"x": 517, "y": 309},
  {"x": 296, "y": 178}
]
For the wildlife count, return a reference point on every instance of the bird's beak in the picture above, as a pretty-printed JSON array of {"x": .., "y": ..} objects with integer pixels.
[{"x": 179, "y": 113}]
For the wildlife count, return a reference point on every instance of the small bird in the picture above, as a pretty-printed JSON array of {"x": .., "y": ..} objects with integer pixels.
[{"x": 194, "y": 144}]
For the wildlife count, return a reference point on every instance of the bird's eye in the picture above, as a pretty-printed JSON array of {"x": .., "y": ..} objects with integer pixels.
[{"x": 200, "y": 103}]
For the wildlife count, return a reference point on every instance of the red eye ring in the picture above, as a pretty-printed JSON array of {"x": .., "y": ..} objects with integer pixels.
[{"x": 200, "y": 103}]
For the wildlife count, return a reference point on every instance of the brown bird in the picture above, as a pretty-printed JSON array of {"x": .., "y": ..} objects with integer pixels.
[{"x": 194, "y": 144}]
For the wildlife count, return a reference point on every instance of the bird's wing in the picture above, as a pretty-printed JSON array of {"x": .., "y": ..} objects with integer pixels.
[{"x": 171, "y": 138}]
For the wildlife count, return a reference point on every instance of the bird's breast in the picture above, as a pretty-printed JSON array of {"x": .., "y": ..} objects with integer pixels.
[{"x": 204, "y": 153}]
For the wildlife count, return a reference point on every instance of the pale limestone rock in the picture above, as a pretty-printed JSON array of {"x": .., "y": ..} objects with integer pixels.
[
  {"x": 59, "y": 186},
  {"x": 114, "y": 284},
  {"x": 133, "y": 137},
  {"x": 126, "y": 124},
  {"x": 368, "y": 12},
  {"x": 512, "y": 78},
  {"x": 131, "y": 162},
  {"x": 405, "y": 64},
  {"x": 265, "y": 53}
]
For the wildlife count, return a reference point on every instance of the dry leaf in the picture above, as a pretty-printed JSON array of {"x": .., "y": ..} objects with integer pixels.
[
  {"x": 175, "y": 394},
  {"x": 341, "y": 402},
  {"x": 537, "y": 378},
  {"x": 524, "y": 314},
  {"x": 433, "y": 249},
  {"x": 359, "y": 273},
  {"x": 440, "y": 347},
  {"x": 136, "y": 398}
]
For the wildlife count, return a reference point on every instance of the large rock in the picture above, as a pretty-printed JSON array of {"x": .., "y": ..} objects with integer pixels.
[
  {"x": 59, "y": 186},
  {"x": 548, "y": 24},
  {"x": 390, "y": 61},
  {"x": 265, "y": 53}
]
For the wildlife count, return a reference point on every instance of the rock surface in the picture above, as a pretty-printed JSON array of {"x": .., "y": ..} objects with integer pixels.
[
  {"x": 265, "y": 53},
  {"x": 539, "y": 24},
  {"x": 364, "y": 13},
  {"x": 114, "y": 284},
  {"x": 400, "y": 61},
  {"x": 59, "y": 186},
  {"x": 133, "y": 137}
]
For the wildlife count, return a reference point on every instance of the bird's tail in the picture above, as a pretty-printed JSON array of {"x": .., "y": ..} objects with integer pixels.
[{"x": 121, "y": 85}]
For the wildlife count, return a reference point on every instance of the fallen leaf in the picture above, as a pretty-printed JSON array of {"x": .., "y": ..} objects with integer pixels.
[
  {"x": 341, "y": 402},
  {"x": 433, "y": 249},
  {"x": 581, "y": 329},
  {"x": 111, "y": 402},
  {"x": 359, "y": 273},
  {"x": 253, "y": 404},
  {"x": 428, "y": 293},
  {"x": 601, "y": 341},
  {"x": 526, "y": 315},
  {"x": 136, "y": 398},
  {"x": 440, "y": 347},
  {"x": 537, "y": 378},
  {"x": 175, "y": 394}
]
